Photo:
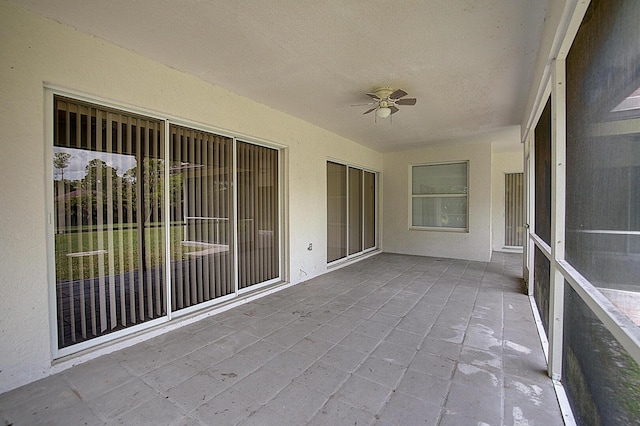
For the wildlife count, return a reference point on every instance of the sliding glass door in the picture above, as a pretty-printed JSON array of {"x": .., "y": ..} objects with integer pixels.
[
  {"x": 351, "y": 211},
  {"x": 145, "y": 226}
]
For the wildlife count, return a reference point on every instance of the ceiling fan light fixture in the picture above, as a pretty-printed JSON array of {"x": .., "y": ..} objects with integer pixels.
[{"x": 383, "y": 112}]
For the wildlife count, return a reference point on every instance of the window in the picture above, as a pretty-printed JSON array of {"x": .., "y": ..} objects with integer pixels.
[
  {"x": 351, "y": 211},
  {"x": 126, "y": 254},
  {"x": 439, "y": 196}
]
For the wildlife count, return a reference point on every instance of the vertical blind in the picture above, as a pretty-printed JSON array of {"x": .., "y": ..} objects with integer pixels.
[
  {"x": 200, "y": 208},
  {"x": 514, "y": 209},
  {"x": 258, "y": 222},
  {"x": 108, "y": 197}
]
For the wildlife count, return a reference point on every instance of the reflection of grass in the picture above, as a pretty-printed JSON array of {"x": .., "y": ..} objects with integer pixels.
[
  {"x": 583, "y": 405},
  {"x": 626, "y": 384},
  {"x": 631, "y": 398},
  {"x": 123, "y": 255},
  {"x": 602, "y": 380}
]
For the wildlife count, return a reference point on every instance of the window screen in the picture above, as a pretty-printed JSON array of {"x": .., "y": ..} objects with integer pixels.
[
  {"x": 603, "y": 208},
  {"x": 603, "y": 152}
]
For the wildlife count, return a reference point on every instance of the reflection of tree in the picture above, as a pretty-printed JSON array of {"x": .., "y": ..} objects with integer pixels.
[
  {"x": 175, "y": 186},
  {"x": 152, "y": 169},
  {"x": 61, "y": 162},
  {"x": 98, "y": 174},
  {"x": 104, "y": 196},
  {"x": 100, "y": 190}
]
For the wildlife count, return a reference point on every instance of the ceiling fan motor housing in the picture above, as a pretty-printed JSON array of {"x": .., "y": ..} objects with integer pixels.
[{"x": 383, "y": 92}]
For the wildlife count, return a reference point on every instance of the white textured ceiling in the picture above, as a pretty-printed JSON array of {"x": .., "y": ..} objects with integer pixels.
[{"x": 469, "y": 62}]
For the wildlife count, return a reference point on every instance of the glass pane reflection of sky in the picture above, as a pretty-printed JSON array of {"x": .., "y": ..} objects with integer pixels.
[{"x": 76, "y": 170}]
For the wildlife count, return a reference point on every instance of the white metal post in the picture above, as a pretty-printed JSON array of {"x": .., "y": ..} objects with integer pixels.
[
  {"x": 235, "y": 215},
  {"x": 558, "y": 175},
  {"x": 531, "y": 183},
  {"x": 167, "y": 218}
]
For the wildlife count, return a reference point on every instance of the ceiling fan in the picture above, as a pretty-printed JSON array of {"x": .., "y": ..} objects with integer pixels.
[{"x": 385, "y": 100}]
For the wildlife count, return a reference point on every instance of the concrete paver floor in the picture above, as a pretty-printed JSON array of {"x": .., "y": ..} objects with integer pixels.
[{"x": 391, "y": 340}]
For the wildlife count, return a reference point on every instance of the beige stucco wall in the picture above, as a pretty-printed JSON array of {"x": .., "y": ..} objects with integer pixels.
[
  {"x": 473, "y": 245},
  {"x": 34, "y": 52},
  {"x": 502, "y": 163}
]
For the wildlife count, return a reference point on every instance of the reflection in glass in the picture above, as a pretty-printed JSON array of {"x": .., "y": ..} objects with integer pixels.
[
  {"x": 440, "y": 179},
  {"x": 602, "y": 380},
  {"x": 542, "y": 287},
  {"x": 108, "y": 198},
  {"x": 440, "y": 212}
]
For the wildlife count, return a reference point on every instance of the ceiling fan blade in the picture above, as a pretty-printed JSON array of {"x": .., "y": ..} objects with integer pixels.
[
  {"x": 393, "y": 109},
  {"x": 372, "y": 109},
  {"x": 369, "y": 103},
  {"x": 407, "y": 101},
  {"x": 398, "y": 94},
  {"x": 374, "y": 96}
]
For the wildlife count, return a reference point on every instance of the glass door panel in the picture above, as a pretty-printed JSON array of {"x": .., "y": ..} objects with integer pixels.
[
  {"x": 258, "y": 218},
  {"x": 355, "y": 210},
  {"x": 109, "y": 220},
  {"x": 336, "y": 211},
  {"x": 200, "y": 211}
]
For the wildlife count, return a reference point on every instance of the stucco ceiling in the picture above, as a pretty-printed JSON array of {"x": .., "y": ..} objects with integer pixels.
[{"x": 468, "y": 62}]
